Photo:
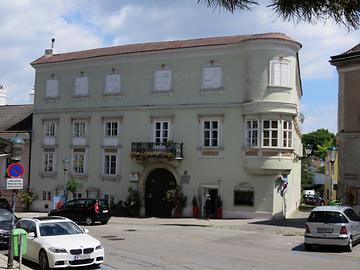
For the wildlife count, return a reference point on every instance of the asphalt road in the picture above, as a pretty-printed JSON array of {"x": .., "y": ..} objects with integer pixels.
[{"x": 141, "y": 244}]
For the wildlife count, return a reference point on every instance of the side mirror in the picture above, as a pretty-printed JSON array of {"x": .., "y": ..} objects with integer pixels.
[
  {"x": 31, "y": 235},
  {"x": 86, "y": 230}
]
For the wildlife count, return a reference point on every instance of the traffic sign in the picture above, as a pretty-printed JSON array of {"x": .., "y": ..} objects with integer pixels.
[
  {"x": 14, "y": 183},
  {"x": 15, "y": 170}
]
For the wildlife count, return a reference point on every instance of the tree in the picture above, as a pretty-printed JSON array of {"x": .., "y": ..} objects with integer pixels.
[
  {"x": 343, "y": 12},
  {"x": 72, "y": 186},
  {"x": 319, "y": 141}
]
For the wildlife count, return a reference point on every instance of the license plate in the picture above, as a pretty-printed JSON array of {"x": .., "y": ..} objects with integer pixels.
[
  {"x": 325, "y": 230},
  {"x": 81, "y": 257},
  {"x": 105, "y": 211}
]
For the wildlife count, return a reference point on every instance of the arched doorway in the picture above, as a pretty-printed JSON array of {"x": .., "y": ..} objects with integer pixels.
[{"x": 157, "y": 183}]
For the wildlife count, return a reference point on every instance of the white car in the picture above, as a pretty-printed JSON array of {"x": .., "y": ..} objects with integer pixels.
[{"x": 58, "y": 242}]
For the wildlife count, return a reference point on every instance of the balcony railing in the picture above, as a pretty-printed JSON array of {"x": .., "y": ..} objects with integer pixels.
[{"x": 168, "y": 150}]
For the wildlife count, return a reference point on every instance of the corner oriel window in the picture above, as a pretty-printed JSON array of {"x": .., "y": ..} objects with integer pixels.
[
  {"x": 287, "y": 134},
  {"x": 270, "y": 133},
  {"x": 252, "y": 131},
  {"x": 280, "y": 72}
]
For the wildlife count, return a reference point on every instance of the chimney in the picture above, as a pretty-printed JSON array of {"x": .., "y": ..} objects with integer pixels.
[
  {"x": 49, "y": 52},
  {"x": 3, "y": 95}
]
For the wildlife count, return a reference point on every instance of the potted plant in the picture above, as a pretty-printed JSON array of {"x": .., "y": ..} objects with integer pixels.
[
  {"x": 133, "y": 203},
  {"x": 219, "y": 204},
  {"x": 195, "y": 209},
  {"x": 177, "y": 200}
]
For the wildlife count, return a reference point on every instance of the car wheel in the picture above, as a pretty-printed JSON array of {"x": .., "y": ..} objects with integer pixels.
[
  {"x": 308, "y": 247},
  {"x": 43, "y": 260},
  {"x": 88, "y": 221},
  {"x": 349, "y": 246}
]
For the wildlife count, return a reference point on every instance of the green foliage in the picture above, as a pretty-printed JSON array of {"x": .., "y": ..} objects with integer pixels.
[
  {"x": 27, "y": 197},
  {"x": 176, "y": 198},
  {"x": 72, "y": 186},
  {"x": 319, "y": 140},
  {"x": 307, "y": 175},
  {"x": 343, "y": 12}
]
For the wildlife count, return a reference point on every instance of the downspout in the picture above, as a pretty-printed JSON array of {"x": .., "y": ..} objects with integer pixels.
[{"x": 29, "y": 170}]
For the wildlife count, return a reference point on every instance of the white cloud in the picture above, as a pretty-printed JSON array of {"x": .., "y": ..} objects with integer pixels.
[{"x": 324, "y": 116}]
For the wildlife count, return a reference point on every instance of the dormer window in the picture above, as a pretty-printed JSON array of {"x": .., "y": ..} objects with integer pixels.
[
  {"x": 280, "y": 72},
  {"x": 82, "y": 85}
]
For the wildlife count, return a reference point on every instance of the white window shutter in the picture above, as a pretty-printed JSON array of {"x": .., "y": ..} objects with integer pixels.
[
  {"x": 81, "y": 86},
  {"x": 285, "y": 74},
  {"x": 163, "y": 80},
  {"x": 207, "y": 77},
  {"x": 216, "y": 77},
  {"x": 276, "y": 73},
  {"x": 52, "y": 88},
  {"x": 112, "y": 83}
]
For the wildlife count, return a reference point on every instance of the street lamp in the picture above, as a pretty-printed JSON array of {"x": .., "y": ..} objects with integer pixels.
[
  {"x": 331, "y": 154},
  {"x": 66, "y": 169},
  {"x": 308, "y": 149},
  {"x": 17, "y": 148}
]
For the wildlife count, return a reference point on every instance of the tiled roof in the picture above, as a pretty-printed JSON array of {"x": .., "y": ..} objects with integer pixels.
[
  {"x": 13, "y": 114},
  {"x": 157, "y": 46},
  {"x": 350, "y": 54}
]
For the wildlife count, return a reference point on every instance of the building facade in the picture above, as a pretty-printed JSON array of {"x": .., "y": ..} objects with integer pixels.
[
  {"x": 348, "y": 67},
  {"x": 215, "y": 115}
]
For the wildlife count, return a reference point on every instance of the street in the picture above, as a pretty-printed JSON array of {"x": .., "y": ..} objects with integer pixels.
[{"x": 152, "y": 243}]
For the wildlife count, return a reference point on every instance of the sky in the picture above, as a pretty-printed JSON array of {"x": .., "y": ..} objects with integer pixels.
[{"x": 26, "y": 29}]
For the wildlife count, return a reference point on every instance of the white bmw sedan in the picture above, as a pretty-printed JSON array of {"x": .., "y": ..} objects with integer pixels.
[{"x": 58, "y": 242}]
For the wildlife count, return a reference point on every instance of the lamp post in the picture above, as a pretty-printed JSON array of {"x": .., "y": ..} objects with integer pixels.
[
  {"x": 331, "y": 154},
  {"x": 66, "y": 169},
  {"x": 17, "y": 148}
]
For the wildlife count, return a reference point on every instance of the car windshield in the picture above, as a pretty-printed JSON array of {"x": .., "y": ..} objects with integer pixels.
[
  {"x": 59, "y": 228},
  {"x": 327, "y": 217}
]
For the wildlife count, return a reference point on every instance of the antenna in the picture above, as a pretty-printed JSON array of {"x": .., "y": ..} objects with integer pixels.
[{"x": 52, "y": 43}]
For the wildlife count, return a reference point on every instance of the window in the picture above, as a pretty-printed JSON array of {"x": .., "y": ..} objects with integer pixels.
[
  {"x": 350, "y": 213},
  {"x": 110, "y": 162},
  {"x": 52, "y": 88},
  {"x": 79, "y": 129},
  {"x": 211, "y": 133},
  {"x": 49, "y": 160},
  {"x": 280, "y": 72},
  {"x": 112, "y": 84},
  {"x": 211, "y": 77},
  {"x": 110, "y": 198},
  {"x": 270, "y": 133},
  {"x": 50, "y": 128},
  {"x": 111, "y": 128},
  {"x": 77, "y": 195},
  {"x": 161, "y": 131},
  {"x": 82, "y": 86},
  {"x": 287, "y": 134},
  {"x": 46, "y": 195},
  {"x": 252, "y": 129},
  {"x": 244, "y": 197},
  {"x": 79, "y": 161},
  {"x": 163, "y": 79}
]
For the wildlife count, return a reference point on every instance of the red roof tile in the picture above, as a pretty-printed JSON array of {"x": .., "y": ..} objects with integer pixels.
[{"x": 156, "y": 46}]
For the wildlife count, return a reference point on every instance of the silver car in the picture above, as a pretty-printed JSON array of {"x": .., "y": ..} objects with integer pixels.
[{"x": 332, "y": 225}]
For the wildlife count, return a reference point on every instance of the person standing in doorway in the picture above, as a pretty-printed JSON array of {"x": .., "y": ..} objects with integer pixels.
[{"x": 207, "y": 205}]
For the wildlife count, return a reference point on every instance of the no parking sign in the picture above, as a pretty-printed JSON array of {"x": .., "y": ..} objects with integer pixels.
[{"x": 15, "y": 170}]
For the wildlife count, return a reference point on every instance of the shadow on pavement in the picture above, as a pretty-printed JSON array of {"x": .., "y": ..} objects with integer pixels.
[
  {"x": 291, "y": 222},
  {"x": 320, "y": 249}
]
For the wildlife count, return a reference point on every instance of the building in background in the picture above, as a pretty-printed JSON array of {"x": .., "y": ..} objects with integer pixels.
[
  {"x": 15, "y": 121},
  {"x": 348, "y": 67},
  {"x": 216, "y": 116}
]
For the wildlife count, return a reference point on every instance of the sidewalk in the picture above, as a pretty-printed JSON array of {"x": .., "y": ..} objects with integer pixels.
[{"x": 3, "y": 263}]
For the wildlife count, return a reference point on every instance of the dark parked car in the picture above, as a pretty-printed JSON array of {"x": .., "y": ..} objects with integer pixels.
[
  {"x": 4, "y": 204},
  {"x": 313, "y": 200},
  {"x": 84, "y": 210},
  {"x": 5, "y": 225}
]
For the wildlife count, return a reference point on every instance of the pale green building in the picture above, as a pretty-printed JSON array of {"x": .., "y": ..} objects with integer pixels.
[{"x": 214, "y": 115}]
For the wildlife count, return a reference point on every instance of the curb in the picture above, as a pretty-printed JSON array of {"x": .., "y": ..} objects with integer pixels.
[{"x": 3, "y": 263}]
